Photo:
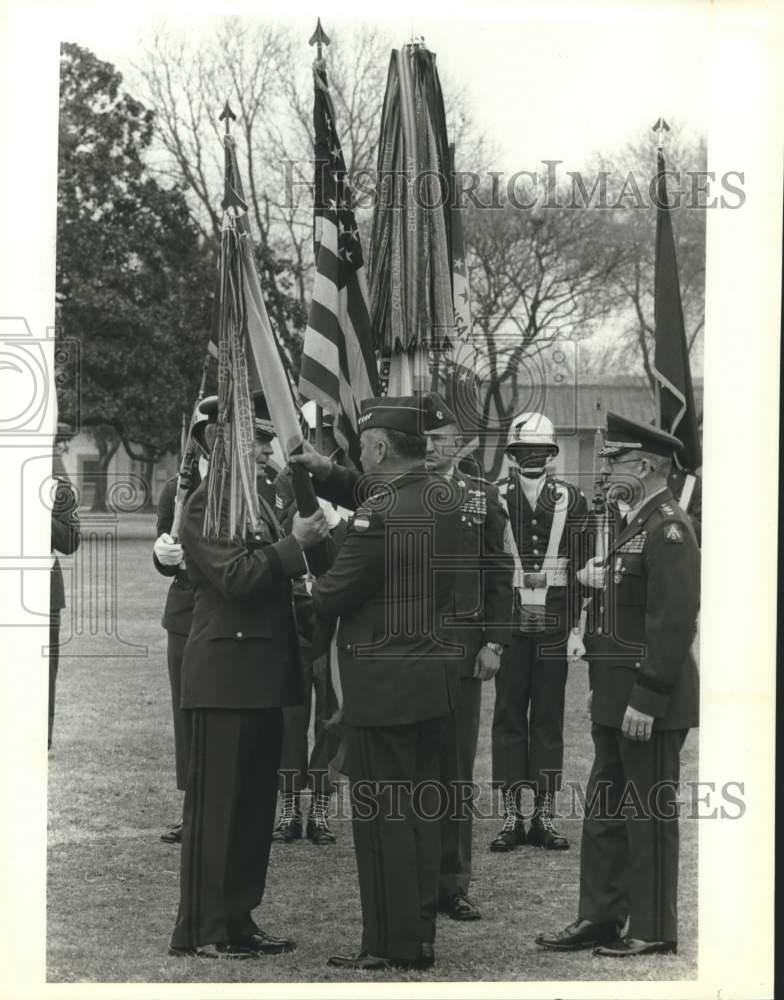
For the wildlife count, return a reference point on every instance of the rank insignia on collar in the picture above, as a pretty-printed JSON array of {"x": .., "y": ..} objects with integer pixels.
[
  {"x": 673, "y": 534},
  {"x": 666, "y": 509}
]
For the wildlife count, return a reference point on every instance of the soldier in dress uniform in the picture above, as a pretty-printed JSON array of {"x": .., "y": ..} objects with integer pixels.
[
  {"x": 65, "y": 539},
  {"x": 177, "y": 612},
  {"x": 644, "y": 699},
  {"x": 241, "y": 665},
  {"x": 390, "y": 585},
  {"x": 482, "y": 608},
  {"x": 547, "y": 519},
  {"x": 298, "y": 770}
]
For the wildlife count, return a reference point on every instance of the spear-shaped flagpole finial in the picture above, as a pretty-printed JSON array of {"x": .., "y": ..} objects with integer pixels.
[
  {"x": 660, "y": 126},
  {"x": 231, "y": 198},
  {"x": 228, "y": 116},
  {"x": 319, "y": 38}
]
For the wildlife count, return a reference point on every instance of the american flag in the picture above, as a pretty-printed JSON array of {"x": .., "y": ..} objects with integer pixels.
[{"x": 338, "y": 364}]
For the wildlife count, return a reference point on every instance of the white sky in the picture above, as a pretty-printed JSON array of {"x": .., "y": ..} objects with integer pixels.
[{"x": 550, "y": 81}]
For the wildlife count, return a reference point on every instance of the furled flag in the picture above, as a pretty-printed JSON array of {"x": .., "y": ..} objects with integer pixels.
[
  {"x": 248, "y": 359},
  {"x": 338, "y": 367},
  {"x": 411, "y": 306},
  {"x": 671, "y": 368}
]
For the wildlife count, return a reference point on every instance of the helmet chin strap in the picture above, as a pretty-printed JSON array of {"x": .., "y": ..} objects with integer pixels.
[{"x": 532, "y": 472}]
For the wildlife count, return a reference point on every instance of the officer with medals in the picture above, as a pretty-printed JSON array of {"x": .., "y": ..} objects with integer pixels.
[
  {"x": 241, "y": 665},
  {"x": 547, "y": 518},
  {"x": 390, "y": 586},
  {"x": 482, "y": 610},
  {"x": 644, "y": 699}
]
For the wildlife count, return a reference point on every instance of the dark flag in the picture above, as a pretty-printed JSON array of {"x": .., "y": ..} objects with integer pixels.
[
  {"x": 338, "y": 364},
  {"x": 677, "y": 412}
]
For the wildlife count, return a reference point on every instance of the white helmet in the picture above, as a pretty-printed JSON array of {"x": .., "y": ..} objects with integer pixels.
[{"x": 532, "y": 429}]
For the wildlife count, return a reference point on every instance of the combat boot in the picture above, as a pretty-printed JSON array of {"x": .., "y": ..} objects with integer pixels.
[
  {"x": 512, "y": 833},
  {"x": 542, "y": 833}
]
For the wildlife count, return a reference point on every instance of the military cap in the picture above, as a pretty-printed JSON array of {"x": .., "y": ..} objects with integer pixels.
[
  {"x": 394, "y": 413},
  {"x": 437, "y": 413},
  {"x": 625, "y": 435},
  {"x": 264, "y": 425}
]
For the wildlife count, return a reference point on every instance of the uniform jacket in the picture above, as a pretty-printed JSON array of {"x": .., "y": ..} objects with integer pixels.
[
  {"x": 531, "y": 532},
  {"x": 641, "y": 626},
  {"x": 242, "y": 650},
  {"x": 391, "y": 586},
  {"x": 65, "y": 534},
  {"x": 481, "y": 595}
]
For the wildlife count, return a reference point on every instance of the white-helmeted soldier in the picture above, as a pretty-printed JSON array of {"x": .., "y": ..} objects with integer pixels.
[{"x": 547, "y": 518}]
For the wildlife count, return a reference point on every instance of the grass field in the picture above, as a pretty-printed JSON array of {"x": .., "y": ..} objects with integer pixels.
[{"x": 113, "y": 885}]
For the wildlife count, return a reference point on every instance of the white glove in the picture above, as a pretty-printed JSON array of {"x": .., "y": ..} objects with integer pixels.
[
  {"x": 575, "y": 648},
  {"x": 167, "y": 551},
  {"x": 592, "y": 574}
]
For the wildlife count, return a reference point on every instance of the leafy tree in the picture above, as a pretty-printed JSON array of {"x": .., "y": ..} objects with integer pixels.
[{"x": 133, "y": 277}]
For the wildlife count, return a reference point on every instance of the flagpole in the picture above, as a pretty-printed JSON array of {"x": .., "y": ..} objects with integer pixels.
[{"x": 319, "y": 38}]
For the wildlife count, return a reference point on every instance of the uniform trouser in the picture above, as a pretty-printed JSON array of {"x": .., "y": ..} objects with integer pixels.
[
  {"x": 629, "y": 854},
  {"x": 227, "y": 824},
  {"x": 456, "y": 761},
  {"x": 395, "y": 806},
  {"x": 296, "y": 772},
  {"x": 54, "y": 662},
  {"x": 181, "y": 717},
  {"x": 527, "y": 741}
]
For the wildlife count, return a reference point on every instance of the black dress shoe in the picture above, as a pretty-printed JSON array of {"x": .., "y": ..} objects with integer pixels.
[
  {"x": 287, "y": 830},
  {"x": 363, "y": 962},
  {"x": 359, "y": 963},
  {"x": 206, "y": 952},
  {"x": 460, "y": 907},
  {"x": 258, "y": 944},
  {"x": 173, "y": 836},
  {"x": 509, "y": 837},
  {"x": 542, "y": 833},
  {"x": 631, "y": 947},
  {"x": 320, "y": 833},
  {"x": 581, "y": 934}
]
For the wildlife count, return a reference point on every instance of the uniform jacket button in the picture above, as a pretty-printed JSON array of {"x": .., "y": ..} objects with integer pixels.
[
  {"x": 536, "y": 553},
  {"x": 535, "y": 538},
  {"x": 239, "y": 635},
  {"x": 636, "y": 664},
  {"x": 533, "y": 521},
  {"x": 536, "y": 566}
]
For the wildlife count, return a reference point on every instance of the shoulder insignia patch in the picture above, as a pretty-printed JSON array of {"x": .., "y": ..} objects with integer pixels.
[{"x": 673, "y": 534}]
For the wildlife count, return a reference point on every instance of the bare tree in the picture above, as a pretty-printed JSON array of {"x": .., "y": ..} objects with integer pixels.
[
  {"x": 632, "y": 227},
  {"x": 536, "y": 274}
]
